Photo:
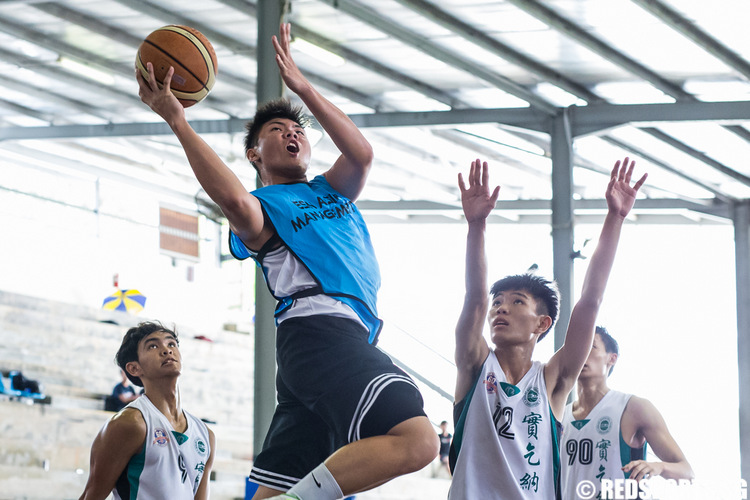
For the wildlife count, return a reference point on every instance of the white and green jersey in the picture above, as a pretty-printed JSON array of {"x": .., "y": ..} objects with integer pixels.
[
  {"x": 506, "y": 442},
  {"x": 593, "y": 448},
  {"x": 171, "y": 463}
]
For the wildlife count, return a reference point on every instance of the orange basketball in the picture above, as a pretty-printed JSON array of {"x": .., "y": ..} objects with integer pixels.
[{"x": 190, "y": 53}]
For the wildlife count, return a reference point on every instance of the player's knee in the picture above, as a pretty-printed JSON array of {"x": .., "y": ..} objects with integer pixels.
[
  {"x": 421, "y": 446},
  {"x": 424, "y": 451}
]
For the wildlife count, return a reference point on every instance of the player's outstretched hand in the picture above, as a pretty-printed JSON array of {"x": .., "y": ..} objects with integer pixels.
[
  {"x": 161, "y": 100},
  {"x": 476, "y": 199},
  {"x": 620, "y": 194},
  {"x": 290, "y": 73}
]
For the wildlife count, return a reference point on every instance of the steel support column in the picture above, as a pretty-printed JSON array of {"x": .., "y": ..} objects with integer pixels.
[
  {"x": 269, "y": 86},
  {"x": 741, "y": 217},
  {"x": 562, "y": 218}
]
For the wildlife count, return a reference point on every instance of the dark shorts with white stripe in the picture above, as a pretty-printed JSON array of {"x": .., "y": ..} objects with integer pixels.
[{"x": 333, "y": 388}]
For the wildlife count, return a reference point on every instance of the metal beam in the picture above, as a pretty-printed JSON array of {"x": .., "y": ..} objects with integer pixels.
[
  {"x": 597, "y": 117},
  {"x": 228, "y": 126},
  {"x": 527, "y": 118},
  {"x": 584, "y": 120},
  {"x": 539, "y": 218},
  {"x": 709, "y": 207}
]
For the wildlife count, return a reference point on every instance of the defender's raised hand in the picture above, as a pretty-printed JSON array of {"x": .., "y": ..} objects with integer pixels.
[
  {"x": 620, "y": 194},
  {"x": 476, "y": 200}
]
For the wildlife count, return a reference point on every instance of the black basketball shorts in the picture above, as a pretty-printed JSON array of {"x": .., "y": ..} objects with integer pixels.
[{"x": 333, "y": 388}]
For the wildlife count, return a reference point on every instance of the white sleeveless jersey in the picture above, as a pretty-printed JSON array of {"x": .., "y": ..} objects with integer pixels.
[
  {"x": 170, "y": 465},
  {"x": 593, "y": 448},
  {"x": 506, "y": 442}
]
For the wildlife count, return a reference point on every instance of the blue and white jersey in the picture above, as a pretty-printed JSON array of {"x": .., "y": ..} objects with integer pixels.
[{"x": 326, "y": 232}]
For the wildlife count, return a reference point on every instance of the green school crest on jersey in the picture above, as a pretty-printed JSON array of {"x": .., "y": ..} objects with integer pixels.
[
  {"x": 604, "y": 425},
  {"x": 531, "y": 397}
]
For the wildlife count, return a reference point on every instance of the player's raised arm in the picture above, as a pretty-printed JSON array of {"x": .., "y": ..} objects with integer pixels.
[
  {"x": 565, "y": 365},
  {"x": 349, "y": 172},
  {"x": 650, "y": 426},
  {"x": 471, "y": 348},
  {"x": 221, "y": 184}
]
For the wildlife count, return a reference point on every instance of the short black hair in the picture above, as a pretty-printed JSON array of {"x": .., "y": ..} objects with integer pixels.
[
  {"x": 128, "y": 350},
  {"x": 544, "y": 291},
  {"x": 277, "y": 108},
  {"x": 610, "y": 344}
]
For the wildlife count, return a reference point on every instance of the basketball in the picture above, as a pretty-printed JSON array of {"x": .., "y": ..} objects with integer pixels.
[{"x": 191, "y": 55}]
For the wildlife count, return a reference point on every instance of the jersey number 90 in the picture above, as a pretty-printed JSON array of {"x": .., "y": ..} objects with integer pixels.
[{"x": 583, "y": 450}]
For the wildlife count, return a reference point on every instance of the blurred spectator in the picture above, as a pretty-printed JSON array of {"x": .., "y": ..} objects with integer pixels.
[
  {"x": 122, "y": 394},
  {"x": 445, "y": 446}
]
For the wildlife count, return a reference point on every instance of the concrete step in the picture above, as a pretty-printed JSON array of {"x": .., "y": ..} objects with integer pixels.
[
  {"x": 70, "y": 352},
  {"x": 25, "y": 483}
]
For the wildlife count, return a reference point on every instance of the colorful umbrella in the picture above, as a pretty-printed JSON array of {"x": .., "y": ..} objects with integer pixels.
[{"x": 131, "y": 301}]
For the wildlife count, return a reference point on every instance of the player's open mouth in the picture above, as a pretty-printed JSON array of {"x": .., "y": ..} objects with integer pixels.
[
  {"x": 292, "y": 147},
  {"x": 500, "y": 322}
]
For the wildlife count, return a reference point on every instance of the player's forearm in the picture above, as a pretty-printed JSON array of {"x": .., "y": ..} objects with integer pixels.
[
  {"x": 220, "y": 183},
  {"x": 582, "y": 323},
  {"x": 476, "y": 261},
  {"x": 600, "y": 266},
  {"x": 340, "y": 128},
  {"x": 469, "y": 341},
  {"x": 677, "y": 470}
]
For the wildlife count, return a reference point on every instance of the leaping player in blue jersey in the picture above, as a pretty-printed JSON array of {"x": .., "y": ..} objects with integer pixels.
[
  {"x": 347, "y": 418},
  {"x": 508, "y": 408}
]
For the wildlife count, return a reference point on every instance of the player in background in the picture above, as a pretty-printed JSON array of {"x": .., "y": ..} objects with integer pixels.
[
  {"x": 605, "y": 432},
  {"x": 152, "y": 448}
]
